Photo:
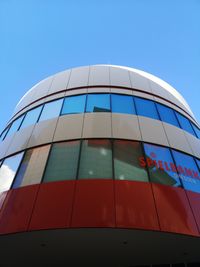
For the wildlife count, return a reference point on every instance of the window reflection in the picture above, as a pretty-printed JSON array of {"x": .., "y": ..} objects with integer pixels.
[
  {"x": 146, "y": 108},
  {"x": 8, "y": 170},
  {"x": 98, "y": 103},
  {"x": 122, "y": 104},
  {"x": 74, "y": 104},
  {"x": 185, "y": 123},
  {"x": 15, "y": 125},
  {"x": 188, "y": 171},
  {"x": 51, "y": 110},
  {"x": 161, "y": 166},
  {"x": 126, "y": 161},
  {"x": 167, "y": 115},
  {"x": 197, "y": 131},
  {"x": 31, "y": 117},
  {"x": 96, "y": 159}
]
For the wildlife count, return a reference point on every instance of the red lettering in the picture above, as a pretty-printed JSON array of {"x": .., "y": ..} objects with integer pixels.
[
  {"x": 142, "y": 162},
  {"x": 180, "y": 169},
  {"x": 149, "y": 162},
  {"x": 166, "y": 166},
  {"x": 188, "y": 172},
  {"x": 195, "y": 174},
  {"x": 160, "y": 163},
  {"x": 173, "y": 167}
]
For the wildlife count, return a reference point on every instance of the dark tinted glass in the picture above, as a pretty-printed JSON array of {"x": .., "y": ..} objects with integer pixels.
[
  {"x": 127, "y": 156},
  {"x": 185, "y": 123},
  {"x": 8, "y": 170},
  {"x": 188, "y": 171},
  {"x": 167, "y": 115},
  {"x": 74, "y": 104},
  {"x": 161, "y": 166},
  {"x": 198, "y": 163},
  {"x": 146, "y": 108},
  {"x": 96, "y": 159},
  {"x": 31, "y": 117},
  {"x": 197, "y": 131},
  {"x": 51, "y": 110},
  {"x": 15, "y": 125},
  {"x": 62, "y": 162},
  {"x": 98, "y": 103},
  {"x": 122, "y": 104}
]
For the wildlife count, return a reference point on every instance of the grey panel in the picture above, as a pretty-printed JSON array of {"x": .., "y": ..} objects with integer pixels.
[
  {"x": 139, "y": 82},
  {"x": 99, "y": 75},
  {"x": 4, "y": 145},
  {"x": 194, "y": 144},
  {"x": 119, "y": 77},
  {"x": 79, "y": 77},
  {"x": 60, "y": 82},
  {"x": 121, "y": 91},
  {"x": 41, "y": 89}
]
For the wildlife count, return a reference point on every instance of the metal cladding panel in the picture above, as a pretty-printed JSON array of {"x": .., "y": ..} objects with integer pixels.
[
  {"x": 53, "y": 206},
  {"x": 17, "y": 209},
  {"x": 174, "y": 212},
  {"x": 135, "y": 207},
  {"x": 194, "y": 199},
  {"x": 94, "y": 204}
]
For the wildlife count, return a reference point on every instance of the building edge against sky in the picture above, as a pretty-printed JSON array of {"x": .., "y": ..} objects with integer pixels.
[{"x": 103, "y": 162}]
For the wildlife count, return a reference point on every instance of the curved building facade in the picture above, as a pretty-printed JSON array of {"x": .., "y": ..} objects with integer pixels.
[{"x": 100, "y": 166}]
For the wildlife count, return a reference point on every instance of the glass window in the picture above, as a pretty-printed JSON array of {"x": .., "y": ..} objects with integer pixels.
[
  {"x": 98, "y": 103},
  {"x": 122, "y": 104},
  {"x": 15, "y": 125},
  {"x": 197, "y": 131},
  {"x": 198, "y": 163},
  {"x": 188, "y": 171},
  {"x": 74, "y": 104},
  {"x": 3, "y": 134},
  {"x": 167, "y": 115},
  {"x": 51, "y": 110},
  {"x": 96, "y": 159},
  {"x": 63, "y": 161},
  {"x": 146, "y": 108},
  {"x": 32, "y": 167},
  {"x": 31, "y": 117},
  {"x": 8, "y": 170},
  {"x": 161, "y": 166},
  {"x": 185, "y": 123},
  {"x": 127, "y": 157}
]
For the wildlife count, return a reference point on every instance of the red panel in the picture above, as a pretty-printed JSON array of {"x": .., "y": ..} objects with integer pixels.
[
  {"x": 2, "y": 198},
  {"x": 194, "y": 199},
  {"x": 94, "y": 204},
  {"x": 135, "y": 207},
  {"x": 174, "y": 212},
  {"x": 53, "y": 205},
  {"x": 17, "y": 209}
]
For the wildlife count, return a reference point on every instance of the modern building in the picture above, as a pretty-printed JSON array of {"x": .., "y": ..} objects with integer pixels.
[{"x": 100, "y": 166}]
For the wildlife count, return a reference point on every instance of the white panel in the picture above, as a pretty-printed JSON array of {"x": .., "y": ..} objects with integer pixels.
[
  {"x": 125, "y": 126},
  {"x": 99, "y": 75},
  {"x": 97, "y": 125},
  {"x": 79, "y": 77},
  {"x": 194, "y": 144},
  {"x": 60, "y": 82},
  {"x": 26, "y": 100},
  {"x": 160, "y": 91},
  {"x": 69, "y": 127},
  {"x": 4, "y": 145},
  {"x": 143, "y": 95},
  {"x": 152, "y": 131},
  {"x": 176, "y": 138},
  {"x": 99, "y": 90},
  {"x": 41, "y": 89},
  {"x": 54, "y": 97},
  {"x": 139, "y": 82},
  {"x": 121, "y": 91},
  {"x": 119, "y": 77},
  {"x": 43, "y": 132},
  {"x": 161, "y": 101},
  {"x": 76, "y": 92},
  {"x": 20, "y": 140}
]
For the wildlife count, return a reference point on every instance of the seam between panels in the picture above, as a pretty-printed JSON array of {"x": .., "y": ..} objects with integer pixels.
[
  {"x": 53, "y": 78},
  {"x": 66, "y": 89}
]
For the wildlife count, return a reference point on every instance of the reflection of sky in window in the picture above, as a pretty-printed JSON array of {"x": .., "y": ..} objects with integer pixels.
[
  {"x": 31, "y": 117},
  {"x": 146, "y": 108},
  {"x": 167, "y": 115},
  {"x": 185, "y": 123},
  {"x": 15, "y": 126},
  {"x": 186, "y": 161},
  {"x": 8, "y": 171},
  {"x": 122, "y": 104},
  {"x": 98, "y": 103},
  {"x": 74, "y": 104},
  {"x": 51, "y": 110},
  {"x": 163, "y": 154}
]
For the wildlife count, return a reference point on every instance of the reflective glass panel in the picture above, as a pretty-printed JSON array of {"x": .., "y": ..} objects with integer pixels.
[
  {"x": 198, "y": 163},
  {"x": 188, "y": 171},
  {"x": 62, "y": 162},
  {"x": 32, "y": 167},
  {"x": 98, "y": 103},
  {"x": 122, "y": 104},
  {"x": 4, "y": 133},
  {"x": 15, "y": 125},
  {"x": 31, "y": 117},
  {"x": 74, "y": 104},
  {"x": 51, "y": 110},
  {"x": 96, "y": 159},
  {"x": 8, "y": 170},
  {"x": 185, "y": 123},
  {"x": 127, "y": 156},
  {"x": 146, "y": 108},
  {"x": 167, "y": 114},
  {"x": 197, "y": 131},
  {"x": 161, "y": 166}
]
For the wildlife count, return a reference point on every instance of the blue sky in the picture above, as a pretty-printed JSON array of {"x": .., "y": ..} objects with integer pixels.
[{"x": 41, "y": 37}]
